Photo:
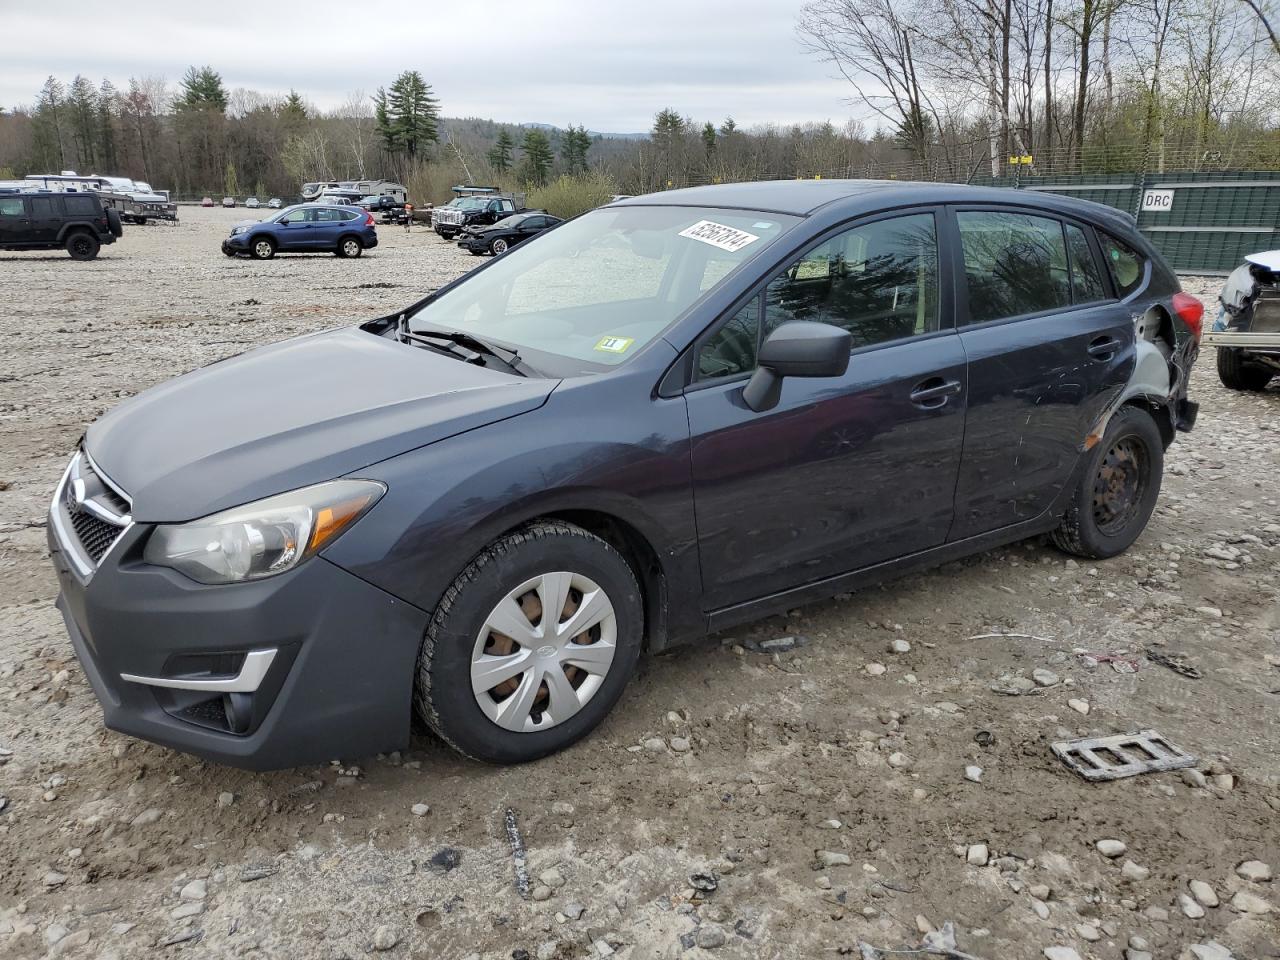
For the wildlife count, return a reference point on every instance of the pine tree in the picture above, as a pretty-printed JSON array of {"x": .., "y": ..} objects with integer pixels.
[
  {"x": 47, "y": 123},
  {"x": 573, "y": 149},
  {"x": 293, "y": 112},
  {"x": 108, "y": 110},
  {"x": 537, "y": 157},
  {"x": 728, "y": 127},
  {"x": 202, "y": 89},
  {"x": 500, "y": 155},
  {"x": 230, "y": 183},
  {"x": 407, "y": 116},
  {"x": 82, "y": 102},
  {"x": 709, "y": 138}
]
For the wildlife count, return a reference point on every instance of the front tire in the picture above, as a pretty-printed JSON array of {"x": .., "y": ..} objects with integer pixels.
[
  {"x": 83, "y": 246},
  {"x": 262, "y": 249},
  {"x": 497, "y": 681},
  {"x": 1118, "y": 489},
  {"x": 349, "y": 247},
  {"x": 1237, "y": 373},
  {"x": 499, "y": 246}
]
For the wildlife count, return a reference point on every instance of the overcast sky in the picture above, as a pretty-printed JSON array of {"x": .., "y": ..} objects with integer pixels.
[{"x": 606, "y": 64}]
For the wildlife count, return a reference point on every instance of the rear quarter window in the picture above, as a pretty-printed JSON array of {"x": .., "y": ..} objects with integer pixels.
[
  {"x": 1125, "y": 263},
  {"x": 80, "y": 206}
]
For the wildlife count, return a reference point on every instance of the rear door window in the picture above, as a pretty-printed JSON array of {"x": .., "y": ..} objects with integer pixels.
[
  {"x": 41, "y": 208},
  {"x": 1086, "y": 280},
  {"x": 1014, "y": 264},
  {"x": 1125, "y": 263}
]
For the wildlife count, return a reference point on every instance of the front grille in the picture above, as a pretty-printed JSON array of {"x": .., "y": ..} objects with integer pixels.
[
  {"x": 95, "y": 534},
  {"x": 108, "y": 497}
]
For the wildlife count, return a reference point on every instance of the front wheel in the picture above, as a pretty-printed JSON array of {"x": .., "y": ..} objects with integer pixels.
[
  {"x": 499, "y": 246},
  {"x": 1118, "y": 490},
  {"x": 263, "y": 249},
  {"x": 349, "y": 247},
  {"x": 1237, "y": 373},
  {"x": 531, "y": 645}
]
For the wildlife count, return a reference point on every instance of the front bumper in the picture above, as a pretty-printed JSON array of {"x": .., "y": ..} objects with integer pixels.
[
  {"x": 239, "y": 243},
  {"x": 339, "y": 685},
  {"x": 473, "y": 243}
]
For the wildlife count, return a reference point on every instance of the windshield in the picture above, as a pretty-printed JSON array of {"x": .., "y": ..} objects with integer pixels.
[
  {"x": 470, "y": 203},
  {"x": 598, "y": 288}
]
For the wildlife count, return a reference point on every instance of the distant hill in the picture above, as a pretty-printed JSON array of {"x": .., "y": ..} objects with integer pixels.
[
  {"x": 594, "y": 133},
  {"x": 488, "y": 129}
]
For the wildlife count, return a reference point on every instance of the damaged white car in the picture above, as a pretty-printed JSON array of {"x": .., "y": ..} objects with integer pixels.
[{"x": 1247, "y": 329}]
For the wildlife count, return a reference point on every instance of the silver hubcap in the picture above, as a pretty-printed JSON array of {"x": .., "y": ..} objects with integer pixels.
[
  {"x": 352, "y": 248},
  {"x": 500, "y": 246},
  {"x": 264, "y": 248},
  {"x": 531, "y": 671}
]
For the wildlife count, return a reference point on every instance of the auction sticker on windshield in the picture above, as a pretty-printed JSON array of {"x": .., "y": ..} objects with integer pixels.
[
  {"x": 718, "y": 235},
  {"x": 614, "y": 344}
]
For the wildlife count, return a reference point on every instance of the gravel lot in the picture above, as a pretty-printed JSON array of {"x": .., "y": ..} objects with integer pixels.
[{"x": 825, "y": 786}]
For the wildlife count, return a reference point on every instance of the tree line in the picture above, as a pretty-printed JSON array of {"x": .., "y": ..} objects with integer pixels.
[{"x": 956, "y": 88}]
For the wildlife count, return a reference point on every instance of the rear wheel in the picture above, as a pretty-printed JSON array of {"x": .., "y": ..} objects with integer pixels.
[
  {"x": 1237, "y": 373},
  {"x": 349, "y": 247},
  {"x": 82, "y": 245},
  {"x": 1118, "y": 490},
  {"x": 263, "y": 248},
  {"x": 531, "y": 645}
]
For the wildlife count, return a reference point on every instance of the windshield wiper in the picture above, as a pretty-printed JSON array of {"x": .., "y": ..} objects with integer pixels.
[{"x": 465, "y": 346}]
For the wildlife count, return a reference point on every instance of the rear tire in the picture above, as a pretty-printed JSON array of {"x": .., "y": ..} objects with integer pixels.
[
  {"x": 262, "y": 248},
  {"x": 516, "y": 720},
  {"x": 1237, "y": 373},
  {"x": 82, "y": 245},
  {"x": 349, "y": 247},
  {"x": 1118, "y": 489}
]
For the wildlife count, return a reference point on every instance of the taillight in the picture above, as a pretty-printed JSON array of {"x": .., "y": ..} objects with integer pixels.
[
  {"x": 368, "y": 221},
  {"x": 1191, "y": 311}
]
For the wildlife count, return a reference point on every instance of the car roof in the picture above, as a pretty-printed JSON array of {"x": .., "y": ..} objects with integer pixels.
[{"x": 805, "y": 197}]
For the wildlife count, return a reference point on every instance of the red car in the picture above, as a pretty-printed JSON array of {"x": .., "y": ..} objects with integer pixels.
[{"x": 207, "y": 202}]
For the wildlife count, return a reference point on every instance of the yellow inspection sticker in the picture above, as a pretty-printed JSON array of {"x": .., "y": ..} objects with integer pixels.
[{"x": 615, "y": 344}]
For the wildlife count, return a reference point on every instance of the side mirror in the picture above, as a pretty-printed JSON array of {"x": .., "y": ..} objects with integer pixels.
[{"x": 801, "y": 348}]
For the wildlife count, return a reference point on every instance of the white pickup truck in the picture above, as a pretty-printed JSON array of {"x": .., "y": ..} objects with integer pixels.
[{"x": 1246, "y": 332}]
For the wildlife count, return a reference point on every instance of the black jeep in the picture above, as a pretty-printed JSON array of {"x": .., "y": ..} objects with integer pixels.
[{"x": 77, "y": 222}]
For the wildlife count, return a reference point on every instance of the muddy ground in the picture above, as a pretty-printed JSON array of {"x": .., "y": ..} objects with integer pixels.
[{"x": 825, "y": 786}]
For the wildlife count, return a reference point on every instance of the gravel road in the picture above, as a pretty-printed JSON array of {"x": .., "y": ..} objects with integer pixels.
[{"x": 864, "y": 786}]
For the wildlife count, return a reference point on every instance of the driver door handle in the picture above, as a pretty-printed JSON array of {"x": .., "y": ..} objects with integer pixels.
[{"x": 932, "y": 393}]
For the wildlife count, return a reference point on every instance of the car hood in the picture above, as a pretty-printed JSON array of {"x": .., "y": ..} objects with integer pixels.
[
  {"x": 244, "y": 223},
  {"x": 296, "y": 413}
]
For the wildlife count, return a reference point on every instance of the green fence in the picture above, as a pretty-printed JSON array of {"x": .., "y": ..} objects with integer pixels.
[{"x": 1201, "y": 222}]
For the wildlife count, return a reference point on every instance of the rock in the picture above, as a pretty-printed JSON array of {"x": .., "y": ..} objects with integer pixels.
[
  {"x": 420, "y": 809},
  {"x": 899, "y": 646},
  {"x": 1013, "y": 686},
  {"x": 574, "y": 910},
  {"x": 898, "y": 760},
  {"x": 833, "y": 858},
  {"x": 1087, "y": 931},
  {"x": 546, "y": 951},
  {"x": 1189, "y": 907},
  {"x": 195, "y": 890},
  {"x": 832, "y": 824},
  {"x": 603, "y": 948},
  {"x": 1212, "y": 950},
  {"x": 709, "y": 936},
  {"x": 1158, "y": 914},
  {"x": 1061, "y": 953},
  {"x": 655, "y": 745},
  {"x": 562, "y": 809},
  {"x": 1212, "y": 612},
  {"x": 552, "y": 878},
  {"x": 1139, "y": 943},
  {"x": 875, "y": 669},
  {"x": 54, "y": 932},
  {"x": 1224, "y": 781},
  {"x": 1111, "y": 848},
  {"x": 72, "y": 942},
  {"x": 1041, "y": 908},
  {"x": 1079, "y": 706},
  {"x": 680, "y": 744},
  {"x": 1134, "y": 872},
  {"x": 1247, "y": 902},
  {"x": 973, "y": 773},
  {"x": 1131, "y": 954},
  {"x": 185, "y": 910},
  {"x": 54, "y": 879},
  {"x": 1041, "y": 891},
  {"x": 1044, "y": 678},
  {"x": 1204, "y": 894},
  {"x": 1255, "y": 871},
  {"x": 541, "y": 893},
  {"x": 1194, "y": 778},
  {"x": 385, "y": 938},
  {"x": 226, "y": 799},
  {"x": 977, "y": 854},
  {"x": 146, "y": 817},
  {"x": 781, "y": 644}
]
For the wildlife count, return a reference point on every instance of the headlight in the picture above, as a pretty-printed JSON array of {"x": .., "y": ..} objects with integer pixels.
[
  {"x": 235, "y": 230},
  {"x": 264, "y": 538}
]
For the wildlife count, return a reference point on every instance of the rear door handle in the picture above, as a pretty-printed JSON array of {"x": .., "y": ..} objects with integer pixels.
[
  {"x": 932, "y": 393},
  {"x": 1104, "y": 348}
]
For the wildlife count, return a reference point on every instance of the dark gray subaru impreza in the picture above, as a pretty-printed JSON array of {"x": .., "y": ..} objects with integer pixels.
[{"x": 673, "y": 414}]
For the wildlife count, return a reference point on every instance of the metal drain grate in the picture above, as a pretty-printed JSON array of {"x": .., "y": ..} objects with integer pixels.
[{"x": 1122, "y": 755}]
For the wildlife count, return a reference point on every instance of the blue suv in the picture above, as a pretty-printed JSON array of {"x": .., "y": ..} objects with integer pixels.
[{"x": 305, "y": 228}]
